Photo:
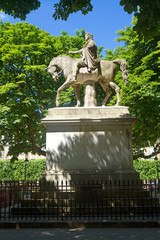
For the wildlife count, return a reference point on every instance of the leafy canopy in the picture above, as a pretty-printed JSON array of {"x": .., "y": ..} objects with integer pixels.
[
  {"x": 19, "y": 8},
  {"x": 63, "y": 8},
  {"x": 26, "y": 89},
  {"x": 142, "y": 94},
  {"x": 146, "y": 11},
  {"x": 148, "y": 16}
]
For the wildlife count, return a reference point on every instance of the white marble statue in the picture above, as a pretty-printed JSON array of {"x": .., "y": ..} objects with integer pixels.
[
  {"x": 89, "y": 56},
  {"x": 88, "y": 70}
]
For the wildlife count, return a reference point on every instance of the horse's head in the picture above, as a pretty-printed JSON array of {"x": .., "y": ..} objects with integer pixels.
[{"x": 53, "y": 71}]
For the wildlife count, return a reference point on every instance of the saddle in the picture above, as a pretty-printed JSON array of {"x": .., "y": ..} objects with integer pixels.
[{"x": 85, "y": 75}]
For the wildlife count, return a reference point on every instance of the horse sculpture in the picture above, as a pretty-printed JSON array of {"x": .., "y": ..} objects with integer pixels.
[{"x": 105, "y": 76}]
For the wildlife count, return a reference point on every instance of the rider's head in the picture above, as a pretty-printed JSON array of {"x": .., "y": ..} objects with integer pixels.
[{"x": 88, "y": 36}]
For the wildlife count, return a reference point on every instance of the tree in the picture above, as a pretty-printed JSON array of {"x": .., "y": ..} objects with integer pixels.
[
  {"x": 148, "y": 16},
  {"x": 142, "y": 94},
  {"x": 62, "y": 9},
  {"x": 146, "y": 11},
  {"x": 65, "y": 7},
  {"x": 26, "y": 89},
  {"x": 19, "y": 8}
]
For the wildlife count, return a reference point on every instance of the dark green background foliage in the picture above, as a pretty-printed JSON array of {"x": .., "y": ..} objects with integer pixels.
[
  {"x": 19, "y": 8},
  {"x": 16, "y": 170},
  {"x": 148, "y": 16}
]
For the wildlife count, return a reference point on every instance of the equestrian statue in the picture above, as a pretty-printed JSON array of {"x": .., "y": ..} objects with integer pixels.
[{"x": 87, "y": 70}]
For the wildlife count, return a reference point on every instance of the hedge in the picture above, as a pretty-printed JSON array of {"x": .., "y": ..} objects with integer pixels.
[{"x": 16, "y": 170}]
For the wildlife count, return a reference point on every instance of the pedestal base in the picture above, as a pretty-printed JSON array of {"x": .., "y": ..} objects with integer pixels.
[
  {"x": 89, "y": 143},
  {"x": 90, "y": 94},
  {"x": 90, "y": 176},
  {"x": 89, "y": 154}
]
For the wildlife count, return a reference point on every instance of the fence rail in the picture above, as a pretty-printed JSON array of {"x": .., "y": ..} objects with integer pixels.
[{"x": 67, "y": 200}]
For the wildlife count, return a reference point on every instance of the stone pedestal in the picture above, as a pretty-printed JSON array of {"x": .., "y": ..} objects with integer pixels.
[
  {"x": 89, "y": 143},
  {"x": 90, "y": 94}
]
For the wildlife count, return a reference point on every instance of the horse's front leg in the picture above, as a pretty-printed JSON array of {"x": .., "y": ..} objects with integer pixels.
[
  {"x": 65, "y": 85},
  {"x": 61, "y": 88},
  {"x": 58, "y": 97},
  {"x": 57, "y": 101},
  {"x": 117, "y": 90},
  {"x": 76, "y": 88}
]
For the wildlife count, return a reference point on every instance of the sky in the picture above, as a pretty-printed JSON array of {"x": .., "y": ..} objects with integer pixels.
[{"x": 103, "y": 22}]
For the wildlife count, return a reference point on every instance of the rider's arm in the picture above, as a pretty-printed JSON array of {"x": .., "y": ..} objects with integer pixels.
[{"x": 75, "y": 52}]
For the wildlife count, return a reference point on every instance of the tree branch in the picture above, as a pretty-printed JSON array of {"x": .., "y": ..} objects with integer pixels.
[{"x": 154, "y": 153}]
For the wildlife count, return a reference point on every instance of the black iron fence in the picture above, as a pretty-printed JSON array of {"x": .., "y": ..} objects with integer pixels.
[{"x": 67, "y": 200}]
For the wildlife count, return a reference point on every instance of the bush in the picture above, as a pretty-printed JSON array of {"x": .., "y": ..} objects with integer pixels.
[
  {"x": 146, "y": 168},
  {"x": 16, "y": 170}
]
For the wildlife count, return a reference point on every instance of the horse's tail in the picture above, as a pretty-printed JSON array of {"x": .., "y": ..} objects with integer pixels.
[{"x": 124, "y": 68}]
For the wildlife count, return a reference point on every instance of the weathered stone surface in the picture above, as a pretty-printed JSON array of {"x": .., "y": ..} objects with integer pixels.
[
  {"x": 79, "y": 113},
  {"x": 85, "y": 70},
  {"x": 89, "y": 141}
]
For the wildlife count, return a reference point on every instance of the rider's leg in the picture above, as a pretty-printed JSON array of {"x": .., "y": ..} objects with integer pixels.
[
  {"x": 77, "y": 66},
  {"x": 76, "y": 70}
]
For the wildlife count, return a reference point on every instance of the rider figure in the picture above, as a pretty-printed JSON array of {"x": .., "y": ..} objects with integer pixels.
[{"x": 89, "y": 55}]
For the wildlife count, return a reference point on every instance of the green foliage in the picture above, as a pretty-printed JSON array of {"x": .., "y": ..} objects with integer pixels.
[
  {"x": 146, "y": 168},
  {"x": 148, "y": 17},
  {"x": 26, "y": 89},
  {"x": 80, "y": 33},
  {"x": 142, "y": 94},
  {"x": 19, "y": 9},
  {"x": 64, "y": 8},
  {"x": 16, "y": 169},
  {"x": 146, "y": 11}
]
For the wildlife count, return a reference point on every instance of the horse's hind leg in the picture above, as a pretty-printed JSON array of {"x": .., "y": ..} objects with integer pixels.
[
  {"x": 108, "y": 94},
  {"x": 107, "y": 91},
  {"x": 76, "y": 88},
  {"x": 117, "y": 90}
]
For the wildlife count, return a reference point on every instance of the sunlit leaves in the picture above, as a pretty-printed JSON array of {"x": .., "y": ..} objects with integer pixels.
[
  {"x": 148, "y": 17},
  {"x": 26, "y": 89},
  {"x": 142, "y": 94}
]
